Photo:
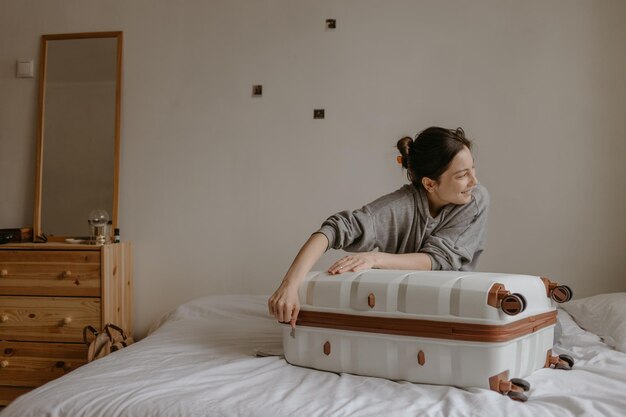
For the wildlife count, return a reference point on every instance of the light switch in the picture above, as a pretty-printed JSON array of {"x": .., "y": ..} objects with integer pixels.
[{"x": 24, "y": 69}]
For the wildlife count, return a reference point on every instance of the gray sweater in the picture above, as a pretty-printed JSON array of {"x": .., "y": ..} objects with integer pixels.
[{"x": 400, "y": 222}]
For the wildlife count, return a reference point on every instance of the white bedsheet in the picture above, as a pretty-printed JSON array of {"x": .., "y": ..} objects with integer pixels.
[{"x": 200, "y": 362}]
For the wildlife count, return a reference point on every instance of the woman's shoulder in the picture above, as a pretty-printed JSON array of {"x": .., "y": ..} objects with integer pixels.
[
  {"x": 480, "y": 197},
  {"x": 402, "y": 198}
]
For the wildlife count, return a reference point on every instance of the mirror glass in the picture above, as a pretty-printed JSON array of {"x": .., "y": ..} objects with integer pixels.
[{"x": 78, "y": 132}]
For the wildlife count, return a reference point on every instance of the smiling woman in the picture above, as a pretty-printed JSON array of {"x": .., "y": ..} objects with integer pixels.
[{"x": 437, "y": 222}]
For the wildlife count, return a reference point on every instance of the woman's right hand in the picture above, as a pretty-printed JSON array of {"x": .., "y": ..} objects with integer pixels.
[{"x": 284, "y": 304}]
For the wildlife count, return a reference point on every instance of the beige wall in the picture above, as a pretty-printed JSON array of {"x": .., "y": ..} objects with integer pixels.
[{"x": 218, "y": 190}]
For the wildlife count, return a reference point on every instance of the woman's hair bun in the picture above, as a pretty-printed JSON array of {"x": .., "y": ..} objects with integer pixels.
[{"x": 404, "y": 146}]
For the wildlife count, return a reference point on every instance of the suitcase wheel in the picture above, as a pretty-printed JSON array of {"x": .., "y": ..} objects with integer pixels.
[
  {"x": 566, "y": 362},
  {"x": 567, "y": 358},
  {"x": 517, "y": 396},
  {"x": 564, "y": 366},
  {"x": 513, "y": 304},
  {"x": 562, "y": 294},
  {"x": 522, "y": 383}
]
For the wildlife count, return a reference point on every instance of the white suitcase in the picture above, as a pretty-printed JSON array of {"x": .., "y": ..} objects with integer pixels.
[{"x": 466, "y": 329}]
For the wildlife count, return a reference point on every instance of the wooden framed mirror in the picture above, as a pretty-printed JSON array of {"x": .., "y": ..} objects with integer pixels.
[{"x": 78, "y": 133}]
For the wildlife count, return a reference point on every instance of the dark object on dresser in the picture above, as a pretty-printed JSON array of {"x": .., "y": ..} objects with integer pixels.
[{"x": 16, "y": 235}]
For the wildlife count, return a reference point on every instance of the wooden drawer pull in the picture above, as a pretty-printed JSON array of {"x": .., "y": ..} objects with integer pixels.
[
  {"x": 67, "y": 321},
  {"x": 4, "y": 272},
  {"x": 4, "y": 364},
  {"x": 4, "y": 318},
  {"x": 327, "y": 348},
  {"x": 66, "y": 274}
]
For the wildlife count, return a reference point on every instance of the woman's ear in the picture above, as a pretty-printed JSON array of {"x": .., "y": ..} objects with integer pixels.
[{"x": 429, "y": 184}]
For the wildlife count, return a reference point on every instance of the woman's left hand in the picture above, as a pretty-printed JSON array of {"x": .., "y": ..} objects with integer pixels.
[{"x": 353, "y": 263}]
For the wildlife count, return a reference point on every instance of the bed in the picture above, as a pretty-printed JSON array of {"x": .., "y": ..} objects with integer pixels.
[{"x": 208, "y": 357}]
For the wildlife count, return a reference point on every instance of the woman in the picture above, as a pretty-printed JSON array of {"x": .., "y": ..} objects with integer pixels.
[{"x": 437, "y": 222}]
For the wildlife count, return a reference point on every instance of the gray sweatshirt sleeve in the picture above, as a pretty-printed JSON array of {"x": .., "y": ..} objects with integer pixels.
[
  {"x": 351, "y": 230},
  {"x": 454, "y": 246},
  {"x": 377, "y": 225}
]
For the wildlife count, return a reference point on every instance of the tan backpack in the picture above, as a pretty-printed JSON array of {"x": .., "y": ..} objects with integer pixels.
[{"x": 100, "y": 344}]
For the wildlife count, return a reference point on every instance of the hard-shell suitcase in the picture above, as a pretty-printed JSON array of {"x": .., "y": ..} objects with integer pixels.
[{"x": 466, "y": 329}]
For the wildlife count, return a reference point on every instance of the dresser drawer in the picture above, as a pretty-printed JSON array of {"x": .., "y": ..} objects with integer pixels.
[
  {"x": 47, "y": 319},
  {"x": 24, "y": 364},
  {"x": 8, "y": 394},
  {"x": 68, "y": 273}
]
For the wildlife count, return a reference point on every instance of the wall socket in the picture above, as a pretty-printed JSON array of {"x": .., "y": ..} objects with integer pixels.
[
  {"x": 24, "y": 69},
  {"x": 318, "y": 113},
  {"x": 331, "y": 24},
  {"x": 257, "y": 90}
]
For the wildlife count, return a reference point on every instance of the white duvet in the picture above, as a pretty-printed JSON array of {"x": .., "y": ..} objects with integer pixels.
[{"x": 200, "y": 361}]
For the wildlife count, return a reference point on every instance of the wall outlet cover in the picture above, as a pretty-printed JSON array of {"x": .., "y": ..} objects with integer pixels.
[{"x": 24, "y": 69}]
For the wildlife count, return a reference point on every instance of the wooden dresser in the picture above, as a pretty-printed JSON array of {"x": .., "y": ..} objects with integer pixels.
[{"x": 48, "y": 293}]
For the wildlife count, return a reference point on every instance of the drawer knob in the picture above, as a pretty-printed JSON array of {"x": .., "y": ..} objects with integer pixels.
[
  {"x": 4, "y": 364},
  {"x": 67, "y": 321},
  {"x": 67, "y": 274},
  {"x": 4, "y": 272},
  {"x": 4, "y": 318}
]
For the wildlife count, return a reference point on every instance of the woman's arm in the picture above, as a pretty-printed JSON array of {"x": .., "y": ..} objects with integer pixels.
[
  {"x": 417, "y": 261},
  {"x": 380, "y": 260},
  {"x": 284, "y": 304}
]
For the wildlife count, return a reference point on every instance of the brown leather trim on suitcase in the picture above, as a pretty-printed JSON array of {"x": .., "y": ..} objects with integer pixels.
[{"x": 428, "y": 328}]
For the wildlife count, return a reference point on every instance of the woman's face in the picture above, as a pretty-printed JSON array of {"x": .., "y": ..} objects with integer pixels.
[{"x": 455, "y": 184}]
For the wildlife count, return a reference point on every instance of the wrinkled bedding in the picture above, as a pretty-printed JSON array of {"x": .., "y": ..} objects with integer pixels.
[{"x": 200, "y": 360}]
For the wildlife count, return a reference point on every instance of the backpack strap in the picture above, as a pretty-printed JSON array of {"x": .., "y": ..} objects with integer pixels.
[
  {"x": 93, "y": 331},
  {"x": 114, "y": 327}
]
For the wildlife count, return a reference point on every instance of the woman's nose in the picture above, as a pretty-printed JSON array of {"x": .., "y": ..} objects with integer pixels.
[{"x": 473, "y": 178}]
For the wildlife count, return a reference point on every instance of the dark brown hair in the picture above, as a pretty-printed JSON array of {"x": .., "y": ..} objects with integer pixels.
[{"x": 431, "y": 153}]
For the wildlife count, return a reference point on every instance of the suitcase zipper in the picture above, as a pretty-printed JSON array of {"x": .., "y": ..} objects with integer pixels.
[{"x": 428, "y": 328}]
